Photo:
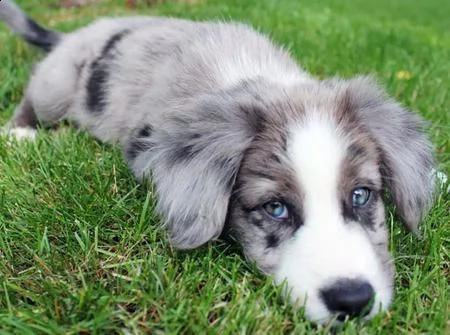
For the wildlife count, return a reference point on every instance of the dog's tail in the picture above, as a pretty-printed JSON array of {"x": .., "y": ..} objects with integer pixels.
[{"x": 14, "y": 17}]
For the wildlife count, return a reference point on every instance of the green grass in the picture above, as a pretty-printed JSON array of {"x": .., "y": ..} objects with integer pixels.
[{"x": 82, "y": 252}]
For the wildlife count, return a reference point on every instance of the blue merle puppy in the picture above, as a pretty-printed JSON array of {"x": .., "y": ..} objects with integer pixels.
[{"x": 234, "y": 134}]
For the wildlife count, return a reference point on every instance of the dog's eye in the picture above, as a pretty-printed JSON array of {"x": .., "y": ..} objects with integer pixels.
[
  {"x": 360, "y": 196},
  {"x": 277, "y": 210}
]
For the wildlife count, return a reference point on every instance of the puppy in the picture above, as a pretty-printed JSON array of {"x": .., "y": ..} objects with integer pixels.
[{"x": 236, "y": 136}]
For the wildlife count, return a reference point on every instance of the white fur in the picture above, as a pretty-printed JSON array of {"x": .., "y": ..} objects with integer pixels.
[
  {"x": 246, "y": 61},
  {"x": 233, "y": 71},
  {"x": 326, "y": 248},
  {"x": 441, "y": 179},
  {"x": 20, "y": 133}
]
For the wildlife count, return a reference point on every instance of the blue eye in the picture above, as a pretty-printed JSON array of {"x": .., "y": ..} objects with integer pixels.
[
  {"x": 277, "y": 210},
  {"x": 360, "y": 196}
]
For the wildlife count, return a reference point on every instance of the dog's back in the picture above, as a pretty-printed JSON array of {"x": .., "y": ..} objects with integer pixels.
[
  {"x": 170, "y": 62},
  {"x": 97, "y": 74}
]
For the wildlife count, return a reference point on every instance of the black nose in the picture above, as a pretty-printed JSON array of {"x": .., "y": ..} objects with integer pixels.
[{"x": 348, "y": 298}]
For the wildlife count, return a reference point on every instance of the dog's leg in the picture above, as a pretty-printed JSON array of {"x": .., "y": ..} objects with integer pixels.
[
  {"x": 24, "y": 117},
  {"x": 48, "y": 97},
  {"x": 42, "y": 104},
  {"x": 24, "y": 122}
]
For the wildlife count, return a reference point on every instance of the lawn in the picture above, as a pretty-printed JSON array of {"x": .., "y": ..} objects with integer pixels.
[{"x": 82, "y": 251}]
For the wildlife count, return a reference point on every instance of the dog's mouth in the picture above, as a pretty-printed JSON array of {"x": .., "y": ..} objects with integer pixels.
[
  {"x": 347, "y": 299},
  {"x": 334, "y": 275}
]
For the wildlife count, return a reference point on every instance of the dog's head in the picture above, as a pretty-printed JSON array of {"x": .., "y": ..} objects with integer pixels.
[{"x": 299, "y": 175}]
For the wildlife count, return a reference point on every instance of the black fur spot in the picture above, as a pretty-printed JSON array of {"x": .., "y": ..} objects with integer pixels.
[
  {"x": 297, "y": 218},
  {"x": 96, "y": 91},
  {"x": 258, "y": 222},
  {"x": 195, "y": 136},
  {"x": 145, "y": 131},
  {"x": 184, "y": 152},
  {"x": 348, "y": 212},
  {"x": 41, "y": 37},
  {"x": 246, "y": 209},
  {"x": 256, "y": 118},
  {"x": 356, "y": 150},
  {"x": 111, "y": 43},
  {"x": 136, "y": 147},
  {"x": 272, "y": 241},
  {"x": 96, "y": 85},
  {"x": 140, "y": 142}
]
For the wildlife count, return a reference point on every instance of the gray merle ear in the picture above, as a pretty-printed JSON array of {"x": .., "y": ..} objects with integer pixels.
[
  {"x": 407, "y": 154},
  {"x": 193, "y": 160}
]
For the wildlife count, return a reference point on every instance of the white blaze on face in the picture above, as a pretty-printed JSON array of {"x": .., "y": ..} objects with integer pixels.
[{"x": 326, "y": 248}]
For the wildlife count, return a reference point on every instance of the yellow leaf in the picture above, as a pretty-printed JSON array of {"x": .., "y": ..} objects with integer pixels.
[{"x": 404, "y": 75}]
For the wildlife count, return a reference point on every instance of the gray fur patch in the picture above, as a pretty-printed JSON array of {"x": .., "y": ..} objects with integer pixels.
[
  {"x": 407, "y": 154},
  {"x": 97, "y": 84}
]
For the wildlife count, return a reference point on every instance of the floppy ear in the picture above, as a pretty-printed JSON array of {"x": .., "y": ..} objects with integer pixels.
[
  {"x": 407, "y": 154},
  {"x": 193, "y": 159}
]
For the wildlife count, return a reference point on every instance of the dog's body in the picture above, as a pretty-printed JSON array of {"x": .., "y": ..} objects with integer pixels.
[{"x": 233, "y": 133}]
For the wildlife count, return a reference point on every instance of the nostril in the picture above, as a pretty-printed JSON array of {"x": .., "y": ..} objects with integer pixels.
[{"x": 349, "y": 297}]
